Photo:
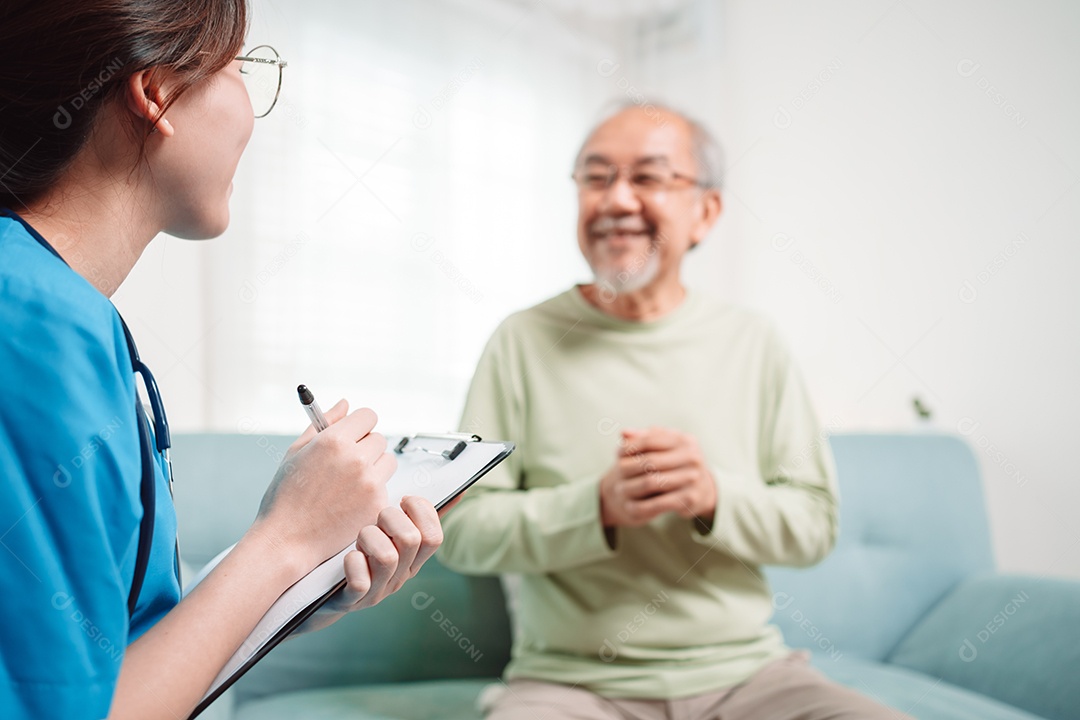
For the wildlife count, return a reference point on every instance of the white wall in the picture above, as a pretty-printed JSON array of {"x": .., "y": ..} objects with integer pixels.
[
  {"x": 903, "y": 198},
  {"x": 906, "y": 225},
  {"x": 410, "y": 189}
]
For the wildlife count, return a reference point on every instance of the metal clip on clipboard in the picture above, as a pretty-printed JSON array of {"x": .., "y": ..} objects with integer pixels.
[{"x": 412, "y": 443}]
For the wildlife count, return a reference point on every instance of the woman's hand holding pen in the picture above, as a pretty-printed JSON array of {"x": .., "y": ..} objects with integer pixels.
[
  {"x": 392, "y": 543},
  {"x": 329, "y": 485}
]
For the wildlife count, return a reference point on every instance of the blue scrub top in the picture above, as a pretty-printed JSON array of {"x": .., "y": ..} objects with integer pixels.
[{"x": 70, "y": 471}]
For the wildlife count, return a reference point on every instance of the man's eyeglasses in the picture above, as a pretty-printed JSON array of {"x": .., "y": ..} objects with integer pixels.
[
  {"x": 645, "y": 178},
  {"x": 262, "y": 75}
]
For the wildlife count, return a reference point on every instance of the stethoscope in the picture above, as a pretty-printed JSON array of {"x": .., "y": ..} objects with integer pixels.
[
  {"x": 161, "y": 442},
  {"x": 148, "y": 485}
]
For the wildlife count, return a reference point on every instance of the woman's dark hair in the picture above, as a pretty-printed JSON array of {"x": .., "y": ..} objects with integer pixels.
[{"x": 62, "y": 60}]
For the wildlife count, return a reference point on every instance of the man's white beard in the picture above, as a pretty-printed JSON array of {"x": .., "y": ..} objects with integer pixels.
[{"x": 619, "y": 282}]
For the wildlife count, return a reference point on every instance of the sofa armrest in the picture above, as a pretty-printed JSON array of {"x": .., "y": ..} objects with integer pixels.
[{"x": 1010, "y": 637}]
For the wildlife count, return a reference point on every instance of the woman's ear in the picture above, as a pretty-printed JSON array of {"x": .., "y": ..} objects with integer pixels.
[{"x": 145, "y": 98}]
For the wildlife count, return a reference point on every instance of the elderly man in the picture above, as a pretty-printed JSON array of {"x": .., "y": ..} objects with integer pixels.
[{"x": 667, "y": 450}]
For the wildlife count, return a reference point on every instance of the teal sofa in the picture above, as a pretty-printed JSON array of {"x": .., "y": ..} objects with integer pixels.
[{"x": 906, "y": 609}]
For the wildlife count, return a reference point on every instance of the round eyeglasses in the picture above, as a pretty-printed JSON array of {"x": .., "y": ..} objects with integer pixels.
[{"x": 262, "y": 74}]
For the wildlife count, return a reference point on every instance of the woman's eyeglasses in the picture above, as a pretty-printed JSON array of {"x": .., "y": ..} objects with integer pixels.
[{"x": 262, "y": 74}]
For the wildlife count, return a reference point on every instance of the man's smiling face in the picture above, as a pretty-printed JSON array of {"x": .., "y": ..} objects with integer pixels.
[{"x": 636, "y": 228}]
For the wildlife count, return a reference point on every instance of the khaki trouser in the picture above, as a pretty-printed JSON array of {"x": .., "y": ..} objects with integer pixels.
[{"x": 787, "y": 689}]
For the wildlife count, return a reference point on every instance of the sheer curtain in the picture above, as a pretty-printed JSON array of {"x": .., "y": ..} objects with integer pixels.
[{"x": 410, "y": 189}]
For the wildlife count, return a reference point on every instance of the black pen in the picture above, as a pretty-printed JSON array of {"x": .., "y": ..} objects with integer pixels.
[{"x": 311, "y": 407}]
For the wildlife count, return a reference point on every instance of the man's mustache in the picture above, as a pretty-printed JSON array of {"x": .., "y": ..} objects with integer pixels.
[{"x": 608, "y": 225}]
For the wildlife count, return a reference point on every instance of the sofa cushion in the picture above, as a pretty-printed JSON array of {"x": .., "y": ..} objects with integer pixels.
[
  {"x": 1010, "y": 637},
  {"x": 446, "y": 700},
  {"x": 920, "y": 696},
  {"x": 912, "y": 525}
]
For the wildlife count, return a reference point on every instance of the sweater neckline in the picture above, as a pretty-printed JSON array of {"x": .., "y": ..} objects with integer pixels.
[{"x": 603, "y": 319}]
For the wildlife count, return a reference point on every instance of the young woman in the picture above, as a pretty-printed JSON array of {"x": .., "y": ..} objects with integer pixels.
[{"x": 121, "y": 119}]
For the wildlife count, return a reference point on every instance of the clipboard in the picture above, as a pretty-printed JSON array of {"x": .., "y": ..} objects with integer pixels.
[{"x": 436, "y": 466}]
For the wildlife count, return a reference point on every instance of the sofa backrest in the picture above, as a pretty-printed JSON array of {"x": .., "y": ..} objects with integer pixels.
[
  {"x": 219, "y": 481},
  {"x": 441, "y": 625},
  {"x": 912, "y": 525}
]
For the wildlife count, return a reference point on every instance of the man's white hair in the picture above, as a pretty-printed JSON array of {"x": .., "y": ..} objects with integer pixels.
[{"x": 703, "y": 146}]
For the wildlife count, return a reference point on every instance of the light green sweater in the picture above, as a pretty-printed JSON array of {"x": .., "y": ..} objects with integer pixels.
[{"x": 669, "y": 612}]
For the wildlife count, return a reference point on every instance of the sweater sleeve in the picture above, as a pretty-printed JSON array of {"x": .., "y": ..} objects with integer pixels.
[
  {"x": 502, "y": 526},
  {"x": 787, "y": 514}
]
